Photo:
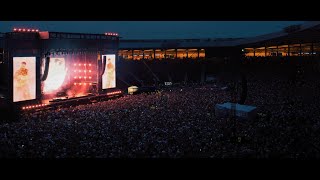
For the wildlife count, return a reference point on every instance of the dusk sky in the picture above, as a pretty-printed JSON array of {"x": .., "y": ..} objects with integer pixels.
[{"x": 157, "y": 29}]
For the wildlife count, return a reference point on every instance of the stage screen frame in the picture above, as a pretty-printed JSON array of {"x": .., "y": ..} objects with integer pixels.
[
  {"x": 29, "y": 68},
  {"x": 110, "y": 71}
]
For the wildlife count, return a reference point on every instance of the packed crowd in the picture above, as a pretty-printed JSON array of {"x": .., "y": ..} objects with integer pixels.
[{"x": 174, "y": 122}]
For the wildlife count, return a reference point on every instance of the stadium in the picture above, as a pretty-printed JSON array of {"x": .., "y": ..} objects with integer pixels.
[{"x": 101, "y": 95}]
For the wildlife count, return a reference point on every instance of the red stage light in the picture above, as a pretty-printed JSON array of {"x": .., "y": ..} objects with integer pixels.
[
  {"x": 28, "y": 30},
  {"x": 89, "y": 77},
  {"x": 85, "y": 84},
  {"x": 85, "y": 64},
  {"x": 23, "y": 108},
  {"x": 79, "y": 64},
  {"x": 79, "y": 70},
  {"x": 115, "y": 92},
  {"x": 32, "y": 30},
  {"x": 89, "y": 64},
  {"x": 85, "y": 77},
  {"x": 24, "y": 30},
  {"x": 80, "y": 77},
  {"x": 75, "y": 83},
  {"x": 19, "y": 30},
  {"x": 15, "y": 29},
  {"x": 90, "y": 83},
  {"x": 37, "y": 30},
  {"x": 75, "y": 77},
  {"x": 85, "y": 71},
  {"x": 79, "y": 83},
  {"x": 74, "y": 64},
  {"x": 89, "y": 70}
]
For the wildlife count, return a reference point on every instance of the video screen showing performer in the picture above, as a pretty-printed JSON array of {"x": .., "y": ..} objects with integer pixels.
[
  {"x": 24, "y": 78},
  {"x": 109, "y": 76},
  {"x": 56, "y": 75}
]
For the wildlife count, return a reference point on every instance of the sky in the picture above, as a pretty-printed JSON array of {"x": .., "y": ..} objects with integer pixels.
[{"x": 157, "y": 29}]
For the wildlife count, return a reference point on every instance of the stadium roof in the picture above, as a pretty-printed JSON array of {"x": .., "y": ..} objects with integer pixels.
[{"x": 309, "y": 31}]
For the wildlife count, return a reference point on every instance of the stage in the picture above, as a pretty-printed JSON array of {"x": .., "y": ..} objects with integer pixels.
[{"x": 73, "y": 101}]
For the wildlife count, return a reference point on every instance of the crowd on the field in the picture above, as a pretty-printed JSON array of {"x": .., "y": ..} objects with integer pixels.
[{"x": 175, "y": 122}]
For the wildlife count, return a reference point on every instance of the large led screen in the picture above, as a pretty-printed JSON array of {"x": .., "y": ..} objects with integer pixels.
[
  {"x": 24, "y": 78},
  {"x": 56, "y": 75},
  {"x": 109, "y": 75}
]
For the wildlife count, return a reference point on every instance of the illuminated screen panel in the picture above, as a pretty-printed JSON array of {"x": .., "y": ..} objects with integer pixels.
[
  {"x": 24, "y": 78},
  {"x": 56, "y": 75},
  {"x": 109, "y": 75}
]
